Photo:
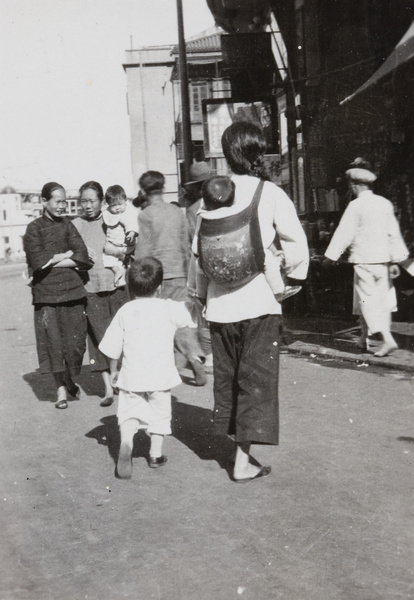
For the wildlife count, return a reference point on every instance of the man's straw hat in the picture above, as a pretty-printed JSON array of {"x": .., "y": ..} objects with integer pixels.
[
  {"x": 361, "y": 176},
  {"x": 199, "y": 171}
]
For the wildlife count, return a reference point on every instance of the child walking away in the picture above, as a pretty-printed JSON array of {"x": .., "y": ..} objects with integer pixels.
[
  {"x": 142, "y": 333},
  {"x": 236, "y": 262},
  {"x": 121, "y": 229}
]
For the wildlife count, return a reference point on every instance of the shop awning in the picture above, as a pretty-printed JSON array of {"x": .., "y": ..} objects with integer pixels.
[
  {"x": 402, "y": 53},
  {"x": 240, "y": 16}
]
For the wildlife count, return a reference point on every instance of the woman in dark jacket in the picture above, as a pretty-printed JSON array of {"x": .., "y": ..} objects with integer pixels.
[{"x": 55, "y": 254}]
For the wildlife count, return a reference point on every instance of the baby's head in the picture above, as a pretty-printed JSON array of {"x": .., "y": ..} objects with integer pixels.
[
  {"x": 218, "y": 192},
  {"x": 116, "y": 199},
  {"x": 145, "y": 277}
]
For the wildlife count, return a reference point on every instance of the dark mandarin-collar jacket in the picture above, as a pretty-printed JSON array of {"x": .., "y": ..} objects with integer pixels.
[{"x": 45, "y": 237}]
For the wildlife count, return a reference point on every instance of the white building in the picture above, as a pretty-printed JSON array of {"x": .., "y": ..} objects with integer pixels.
[
  {"x": 17, "y": 210},
  {"x": 151, "y": 113},
  {"x": 154, "y": 103},
  {"x": 15, "y": 215}
]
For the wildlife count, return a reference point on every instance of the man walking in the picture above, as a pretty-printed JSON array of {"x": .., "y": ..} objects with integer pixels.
[{"x": 371, "y": 231}]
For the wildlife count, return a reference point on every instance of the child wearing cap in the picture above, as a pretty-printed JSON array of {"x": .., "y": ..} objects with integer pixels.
[
  {"x": 218, "y": 192},
  {"x": 142, "y": 332},
  {"x": 371, "y": 231}
]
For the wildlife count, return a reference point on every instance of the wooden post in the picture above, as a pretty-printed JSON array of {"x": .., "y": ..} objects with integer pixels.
[{"x": 185, "y": 102}]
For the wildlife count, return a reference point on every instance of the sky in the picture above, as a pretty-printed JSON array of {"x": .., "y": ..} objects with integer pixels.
[{"x": 63, "y": 108}]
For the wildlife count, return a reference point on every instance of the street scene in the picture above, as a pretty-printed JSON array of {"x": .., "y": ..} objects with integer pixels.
[
  {"x": 333, "y": 519},
  {"x": 207, "y": 300}
]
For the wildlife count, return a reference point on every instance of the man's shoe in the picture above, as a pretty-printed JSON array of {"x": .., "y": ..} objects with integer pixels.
[{"x": 159, "y": 461}]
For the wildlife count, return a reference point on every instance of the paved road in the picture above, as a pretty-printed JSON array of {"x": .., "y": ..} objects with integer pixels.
[{"x": 334, "y": 521}]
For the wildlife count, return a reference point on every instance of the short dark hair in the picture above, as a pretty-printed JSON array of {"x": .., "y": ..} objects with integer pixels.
[
  {"x": 49, "y": 188},
  {"x": 151, "y": 182},
  {"x": 243, "y": 143},
  {"x": 92, "y": 185},
  {"x": 145, "y": 276},
  {"x": 113, "y": 193},
  {"x": 217, "y": 192}
]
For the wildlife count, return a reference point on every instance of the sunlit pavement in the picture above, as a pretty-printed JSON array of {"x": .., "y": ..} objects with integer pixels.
[{"x": 332, "y": 521}]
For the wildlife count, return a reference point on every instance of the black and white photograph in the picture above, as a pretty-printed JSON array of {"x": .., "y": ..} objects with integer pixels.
[{"x": 207, "y": 299}]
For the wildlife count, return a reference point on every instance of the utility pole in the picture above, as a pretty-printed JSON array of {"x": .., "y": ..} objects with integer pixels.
[
  {"x": 185, "y": 102},
  {"x": 292, "y": 143}
]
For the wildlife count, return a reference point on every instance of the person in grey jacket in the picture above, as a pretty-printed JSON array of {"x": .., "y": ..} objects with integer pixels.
[
  {"x": 163, "y": 234},
  {"x": 103, "y": 298}
]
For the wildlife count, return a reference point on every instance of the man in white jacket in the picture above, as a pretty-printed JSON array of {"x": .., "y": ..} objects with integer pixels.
[{"x": 371, "y": 231}]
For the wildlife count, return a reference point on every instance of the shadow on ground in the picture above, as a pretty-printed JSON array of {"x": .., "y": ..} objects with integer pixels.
[
  {"x": 43, "y": 386},
  {"x": 191, "y": 425}
]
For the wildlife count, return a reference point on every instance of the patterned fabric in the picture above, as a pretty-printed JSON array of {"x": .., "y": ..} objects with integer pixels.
[{"x": 277, "y": 216}]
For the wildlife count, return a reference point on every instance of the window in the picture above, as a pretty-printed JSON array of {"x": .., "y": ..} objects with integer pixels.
[
  {"x": 4, "y": 215},
  {"x": 199, "y": 92}
]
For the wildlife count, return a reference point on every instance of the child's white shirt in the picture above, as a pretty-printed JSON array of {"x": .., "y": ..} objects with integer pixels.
[
  {"x": 142, "y": 332},
  {"x": 118, "y": 225}
]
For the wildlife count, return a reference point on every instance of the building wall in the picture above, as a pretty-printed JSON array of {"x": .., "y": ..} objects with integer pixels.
[
  {"x": 14, "y": 218},
  {"x": 151, "y": 114}
]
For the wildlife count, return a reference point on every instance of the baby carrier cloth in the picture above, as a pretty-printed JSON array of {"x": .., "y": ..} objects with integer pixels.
[{"x": 230, "y": 249}]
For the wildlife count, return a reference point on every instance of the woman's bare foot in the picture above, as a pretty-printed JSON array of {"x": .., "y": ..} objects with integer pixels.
[
  {"x": 244, "y": 470},
  {"x": 386, "y": 349},
  {"x": 388, "y": 345},
  {"x": 62, "y": 399},
  {"x": 248, "y": 472}
]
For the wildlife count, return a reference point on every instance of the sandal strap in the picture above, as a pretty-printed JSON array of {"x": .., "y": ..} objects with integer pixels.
[{"x": 63, "y": 403}]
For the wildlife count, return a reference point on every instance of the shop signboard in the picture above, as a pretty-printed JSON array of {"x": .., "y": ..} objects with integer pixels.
[{"x": 218, "y": 114}]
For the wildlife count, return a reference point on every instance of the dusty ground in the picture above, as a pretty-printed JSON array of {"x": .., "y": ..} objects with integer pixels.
[{"x": 334, "y": 520}]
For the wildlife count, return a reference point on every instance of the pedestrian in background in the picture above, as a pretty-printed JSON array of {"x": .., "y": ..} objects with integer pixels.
[
  {"x": 163, "y": 234},
  {"x": 199, "y": 172},
  {"x": 142, "y": 332},
  {"x": 103, "y": 297},
  {"x": 370, "y": 230},
  {"x": 245, "y": 319},
  {"x": 56, "y": 254}
]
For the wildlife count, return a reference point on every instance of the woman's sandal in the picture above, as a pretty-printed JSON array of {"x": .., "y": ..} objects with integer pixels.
[
  {"x": 63, "y": 403},
  {"x": 75, "y": 392},
  {"x": 107, "y": 401}
]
